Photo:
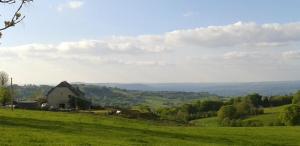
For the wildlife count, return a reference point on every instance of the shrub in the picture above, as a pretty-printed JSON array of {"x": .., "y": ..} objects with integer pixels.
[
  {"x": 5, "y": 95},
  {"x": 253, "y": 123},
  {"x": 296, "y": 98},
  {"x": 291, "y": 115},
  {"x": 243, "y": 108},
  {"x": 277, "y": 100},
  {"x": 228, "y": 111},
  {"x": 210, "y": 105}
]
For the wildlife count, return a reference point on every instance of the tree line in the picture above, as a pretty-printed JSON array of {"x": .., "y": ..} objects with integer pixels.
[{"x": 229, "y": 112}]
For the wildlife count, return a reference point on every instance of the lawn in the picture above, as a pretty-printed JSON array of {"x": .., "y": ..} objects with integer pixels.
[{"x": 22, "y": 127}]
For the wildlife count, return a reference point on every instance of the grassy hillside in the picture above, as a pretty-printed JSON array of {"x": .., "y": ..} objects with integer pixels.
[
  {"x": 55, "y": 128},
  {"x": 269, "y": 118},
  {"x": 270, "y": 115}
]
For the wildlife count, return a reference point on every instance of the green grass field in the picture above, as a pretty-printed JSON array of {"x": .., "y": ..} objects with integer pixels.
[
  {"x": 269, "y": 117},
  {"x": 22, "y": 127}
]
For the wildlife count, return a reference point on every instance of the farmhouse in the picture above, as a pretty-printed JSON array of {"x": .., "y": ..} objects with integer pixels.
[{"x": 65, "y": 96}]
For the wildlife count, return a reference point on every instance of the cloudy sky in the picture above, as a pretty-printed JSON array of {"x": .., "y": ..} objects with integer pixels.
[{"x": 142, "y": 41}]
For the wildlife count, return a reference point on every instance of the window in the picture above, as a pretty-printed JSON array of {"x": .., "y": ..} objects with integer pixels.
[{"x": 62, "y": 105}]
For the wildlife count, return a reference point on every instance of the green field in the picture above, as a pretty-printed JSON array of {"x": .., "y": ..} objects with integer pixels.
[
  {"x": 269, "y": 118},
  {"x": 22, "y": 127},
  {"x": 270, "y": 115}
]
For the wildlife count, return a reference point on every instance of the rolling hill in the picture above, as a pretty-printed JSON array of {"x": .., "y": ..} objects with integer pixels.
[
  {"x": 269, "y": 118},
  {"x": 221, "y": 89},
  {"x": 57, "y": 128},
  {"x": 112, "y": 96}
]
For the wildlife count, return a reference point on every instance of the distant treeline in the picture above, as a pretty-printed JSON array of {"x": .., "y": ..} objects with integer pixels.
[{"x": 228, "y": 111}]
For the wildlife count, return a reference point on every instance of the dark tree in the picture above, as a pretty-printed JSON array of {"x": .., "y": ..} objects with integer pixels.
[
  {"x": 3, "y": 78},
  {"x": 255, "y": 99}
]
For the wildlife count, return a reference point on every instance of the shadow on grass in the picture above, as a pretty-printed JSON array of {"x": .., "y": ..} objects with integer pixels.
[{"x": 97, "y": 129}]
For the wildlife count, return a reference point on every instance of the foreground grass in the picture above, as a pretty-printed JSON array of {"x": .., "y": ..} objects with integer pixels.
[{"x": 23, "y": 127}]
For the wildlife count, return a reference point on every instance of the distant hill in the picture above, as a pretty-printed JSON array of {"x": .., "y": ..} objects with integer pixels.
[
  {"x": 221, "y": 89},
  {"x": 163, "y": 94},
  {"x": 113, "y": 96}
]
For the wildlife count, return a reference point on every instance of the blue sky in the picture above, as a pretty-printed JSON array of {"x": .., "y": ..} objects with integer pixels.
[{"x": 153, "y": 41}]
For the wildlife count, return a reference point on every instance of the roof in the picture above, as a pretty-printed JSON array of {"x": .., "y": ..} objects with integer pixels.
[{"x": 76, "y": 91}]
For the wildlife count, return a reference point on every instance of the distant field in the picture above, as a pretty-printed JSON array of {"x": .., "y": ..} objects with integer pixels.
[
  {"x": 23, "y": 127},
  {"x": 271, "y": 115}
]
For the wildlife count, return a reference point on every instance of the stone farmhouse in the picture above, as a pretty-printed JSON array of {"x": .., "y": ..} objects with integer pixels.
[{"x": 60, "y": 96}]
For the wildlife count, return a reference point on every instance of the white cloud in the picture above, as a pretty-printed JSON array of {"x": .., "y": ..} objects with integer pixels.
[
  {"x": 236, "y": 35},
  {"x": 75, "y": 4},
  {"x": 236, "y": 55},
  {"x": 211, "y": 50},
  {"x": 245, "y": 55},
  {"x": 291, "y": 54},
  {"x": 70, "y": 5},
  {"x": 103, "y": 51}
]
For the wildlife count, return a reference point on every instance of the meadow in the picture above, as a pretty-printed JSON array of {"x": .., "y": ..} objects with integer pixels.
[
  {"x": 269, "y": 118},
  {"x": 25, "y": 127}
]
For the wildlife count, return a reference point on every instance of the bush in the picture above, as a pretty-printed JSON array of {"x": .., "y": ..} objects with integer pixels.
[
  {"x": 136, "y": 114},
  {"x": 210, "y": 105},
  {"x": 257, "y": 111},
  {"x": 277, "y": 100},
  {"x": 291, "y": 115},
  {"x": 275, "y": 123},
  {"x": 231, "y": 122},
  {"x": 5, "y": 95},
  {"x": 252, "y": 123},
  {"x": 243, "y": 108},
  {"x": 227, "y": 112},
  {"x": 296, "y": 98}
]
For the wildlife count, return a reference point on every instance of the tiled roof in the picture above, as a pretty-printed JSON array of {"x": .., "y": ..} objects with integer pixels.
[{"x": 76, "y": 91}]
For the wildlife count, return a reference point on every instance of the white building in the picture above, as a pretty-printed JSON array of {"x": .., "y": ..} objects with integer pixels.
[{"x": 59, "y": 96}]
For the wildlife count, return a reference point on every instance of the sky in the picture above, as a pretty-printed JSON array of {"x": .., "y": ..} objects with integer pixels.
[{"x": 152, "y": 41}]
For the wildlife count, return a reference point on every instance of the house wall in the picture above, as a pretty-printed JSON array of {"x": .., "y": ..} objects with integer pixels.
[{"x": 60, "y": 95}]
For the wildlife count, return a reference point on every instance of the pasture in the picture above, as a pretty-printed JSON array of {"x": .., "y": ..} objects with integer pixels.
[{"x": 23, "y": 127}]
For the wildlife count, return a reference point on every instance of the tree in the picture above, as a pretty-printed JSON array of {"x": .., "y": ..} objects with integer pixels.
[
  {"x": 280, "y": 100},
  {"x": 243, "y": 108},
  {"x": 210, "y": 105},
  {"x": 5, "y": 95},
  {"x": 291, "y": 115},
  {"x": 296, "y": 98},
  {"x": 3, "y": 78},
  {"x": 255, "y": 99},
  {"x": 16, "y": 16},
  {"x": 227, "y": 112}
]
